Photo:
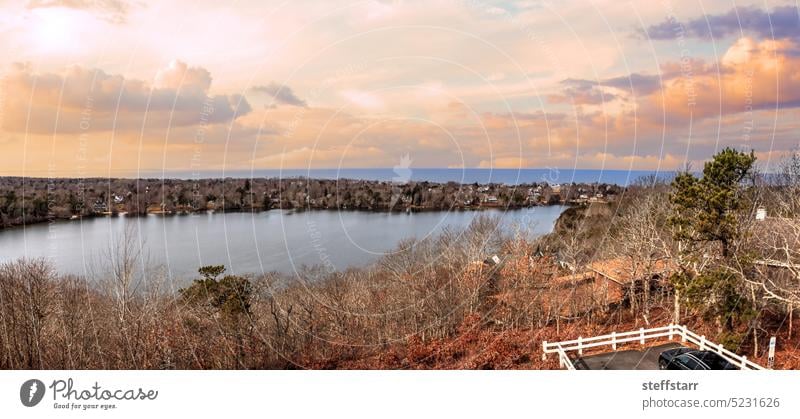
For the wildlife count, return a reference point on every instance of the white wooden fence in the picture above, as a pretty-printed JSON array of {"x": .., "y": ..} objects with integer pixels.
[{"x": 673, "y": 331}]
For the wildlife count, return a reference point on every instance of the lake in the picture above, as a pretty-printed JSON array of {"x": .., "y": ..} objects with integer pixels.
[{"x": 275, "y": 240}]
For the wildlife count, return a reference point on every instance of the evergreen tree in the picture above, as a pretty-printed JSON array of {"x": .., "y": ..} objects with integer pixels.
[
  {"x": 705, "y": 220},
  {"x": 228, "y": 299},
  {"x": 706, "y": 208}
]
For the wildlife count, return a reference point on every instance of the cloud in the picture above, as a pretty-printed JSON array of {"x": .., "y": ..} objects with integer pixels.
[
  {"x": 747, "y": 99},
  {"x": 639, "y": 84},
  {"x": 750, "y": 76},
  {"x": 581, "y": 92},
  {"x": 83, "y": 99},
  {"x": 115, "y": 11},
  {"x": 281, "y": 94},
  {"x": 782, "y": 22},
  {"x": 178, "y": 75},
  {"x": 594, "y": 92}
]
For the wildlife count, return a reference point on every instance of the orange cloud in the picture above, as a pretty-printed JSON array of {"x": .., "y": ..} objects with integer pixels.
[
  {"x": 750, "y": 76},
  {"x": 82, "y": 99}
]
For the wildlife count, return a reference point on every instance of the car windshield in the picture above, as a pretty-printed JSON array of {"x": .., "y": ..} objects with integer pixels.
[
  {"x": 689, "y": 362},
  {"x": 715, "y": 361}
]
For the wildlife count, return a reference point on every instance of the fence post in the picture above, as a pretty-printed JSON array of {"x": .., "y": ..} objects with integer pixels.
[
  {"x": 744, "y": 363},
  {"x": 580, "y": 345},
  {"x": 544, "y": 350},
  {"x": 670, "y": 330},
  {"x": 719, "y": 348},
  {"x": 641, "y": 335},
  {"x": 614, "y": 340},
  {"x": 703, "y": 343}
]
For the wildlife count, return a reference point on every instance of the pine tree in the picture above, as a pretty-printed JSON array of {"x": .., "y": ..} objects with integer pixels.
[{"x": 704, "y": 221}]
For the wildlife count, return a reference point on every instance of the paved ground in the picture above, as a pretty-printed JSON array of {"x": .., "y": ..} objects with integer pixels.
[{"x": 646, "y": 359}]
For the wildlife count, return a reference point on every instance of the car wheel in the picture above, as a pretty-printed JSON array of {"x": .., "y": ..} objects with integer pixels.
[{"x": 662, "y": 364}]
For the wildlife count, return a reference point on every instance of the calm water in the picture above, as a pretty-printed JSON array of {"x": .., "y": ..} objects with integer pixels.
[
  {"x": 507, "y": 176},
  {"x": 245, "y": 242}
]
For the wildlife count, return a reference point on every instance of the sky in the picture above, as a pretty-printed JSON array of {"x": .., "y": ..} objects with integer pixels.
[{"x": 121, "y": 88}]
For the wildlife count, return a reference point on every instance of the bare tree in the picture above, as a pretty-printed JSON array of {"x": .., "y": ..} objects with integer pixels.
[
  {"x": 26, "y": 303},
  {"x": 644, "y": 244},
  {"x": 776, "y": 239}
]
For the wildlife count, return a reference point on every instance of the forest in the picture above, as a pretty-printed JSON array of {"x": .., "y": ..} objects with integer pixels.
[{"x": 25, "y": 201}]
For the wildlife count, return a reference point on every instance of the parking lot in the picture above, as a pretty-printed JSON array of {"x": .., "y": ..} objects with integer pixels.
[
  {"x": 608, "y": 351},
  {"x": 646, "y": 359}
]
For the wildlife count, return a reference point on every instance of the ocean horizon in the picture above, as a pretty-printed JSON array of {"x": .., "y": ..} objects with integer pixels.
[{"x": 439, "y": 175}]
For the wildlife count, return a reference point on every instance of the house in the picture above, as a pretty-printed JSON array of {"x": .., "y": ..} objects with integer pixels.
[
  {"x": 613, "y": 281},
  {"x": 159, "y": 208},
  {"x": 616, "y": 279},
  {"x": 100, "y": 206},
  {"x": 570, "y": 294}
]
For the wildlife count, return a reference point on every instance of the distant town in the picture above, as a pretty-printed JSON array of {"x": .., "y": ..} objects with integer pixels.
[{"x": 32, "y": 200}]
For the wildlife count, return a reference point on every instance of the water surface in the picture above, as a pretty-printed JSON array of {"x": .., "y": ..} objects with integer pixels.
[{"x": 275, "y": 240}]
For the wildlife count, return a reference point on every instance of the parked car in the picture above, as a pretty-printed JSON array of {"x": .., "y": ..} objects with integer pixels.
[{"x": 693, "y": 359}]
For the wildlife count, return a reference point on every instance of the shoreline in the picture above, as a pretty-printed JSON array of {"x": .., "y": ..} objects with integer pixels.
[
  {"x": 290, "y": 210},
  {"x": 45, "y": 200}
]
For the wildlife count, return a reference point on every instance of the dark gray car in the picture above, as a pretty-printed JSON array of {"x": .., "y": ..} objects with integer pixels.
[{"x": 693, "y": 359}]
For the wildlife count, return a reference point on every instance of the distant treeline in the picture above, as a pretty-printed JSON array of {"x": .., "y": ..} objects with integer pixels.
[{"x": 31, "y": 200}]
